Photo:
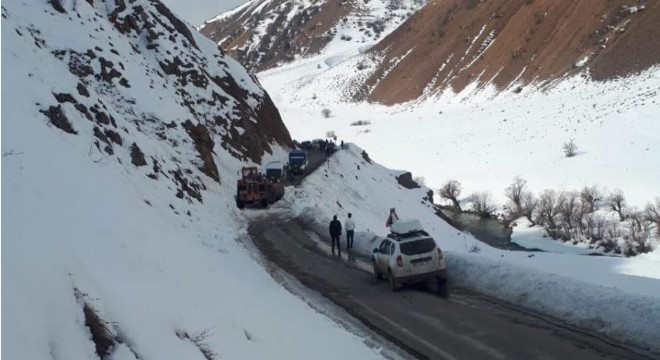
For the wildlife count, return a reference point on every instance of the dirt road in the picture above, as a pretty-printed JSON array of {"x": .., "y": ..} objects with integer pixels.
[{"x": 457, "y": 326}]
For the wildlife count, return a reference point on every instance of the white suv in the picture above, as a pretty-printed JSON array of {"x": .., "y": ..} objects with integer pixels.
[{"x": 410, "y": 258}]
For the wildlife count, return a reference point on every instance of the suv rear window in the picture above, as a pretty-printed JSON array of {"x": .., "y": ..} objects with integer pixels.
[{"x": 417, "y": 247}]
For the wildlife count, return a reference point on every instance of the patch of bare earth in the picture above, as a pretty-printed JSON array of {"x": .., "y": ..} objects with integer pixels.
[{"x": 501, "y": 41}]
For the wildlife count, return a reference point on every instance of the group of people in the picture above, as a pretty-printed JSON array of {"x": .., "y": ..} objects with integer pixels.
[{"x": 335, "y": 232}]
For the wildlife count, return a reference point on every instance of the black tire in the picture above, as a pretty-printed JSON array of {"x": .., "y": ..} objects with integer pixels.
[
  {"x": 433, "y": 284},
  {"x": 270, "y": 195},
  {"x": 394, "y": 287},
  {"x": 239, "y": 203},
  {"x": 436, "y": 285},
  {"x": 376, "y": 272}
]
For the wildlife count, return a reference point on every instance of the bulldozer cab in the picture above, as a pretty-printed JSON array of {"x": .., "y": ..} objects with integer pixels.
[{"x": 250, "y": 172}]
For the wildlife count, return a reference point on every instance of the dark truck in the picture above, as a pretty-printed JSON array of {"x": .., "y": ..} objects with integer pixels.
[
  {"x": 297, "y": 162},
  {"x": 275, "y": 171}
]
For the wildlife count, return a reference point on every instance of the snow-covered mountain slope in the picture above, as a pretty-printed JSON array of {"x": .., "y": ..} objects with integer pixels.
[
  {"x": 264, "y": 33},
  {"x": 484, "y": 138},
  {"x": 445, "y": 44},
  {"x": 616, "y": 296},
  {"x": 122, "y": 133}
]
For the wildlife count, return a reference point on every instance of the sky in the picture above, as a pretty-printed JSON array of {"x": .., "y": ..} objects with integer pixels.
[{"x": 197, "y": 11}]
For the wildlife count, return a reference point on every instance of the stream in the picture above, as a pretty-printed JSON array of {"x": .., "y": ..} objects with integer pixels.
[{"x": 489, "y": 231}]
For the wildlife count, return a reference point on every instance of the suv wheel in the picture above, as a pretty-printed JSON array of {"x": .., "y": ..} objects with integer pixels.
[
  {"x": 393, "y": 285},
  {"x": 376, "y": 273},
  {"x": 435, "y": 284}
]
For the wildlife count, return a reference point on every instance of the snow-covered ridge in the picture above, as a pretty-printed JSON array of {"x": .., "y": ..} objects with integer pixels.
[
  {"x": 264, "y": 33},
  {"x": 488, "y": 43},
  {"x": 123, "y": 131}
]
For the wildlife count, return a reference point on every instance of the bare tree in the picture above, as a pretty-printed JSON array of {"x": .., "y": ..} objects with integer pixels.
[
  {"x": 570, "y": 148},
  {"x": 514, "y": 193},
  {"x": 596, "y": 226},
  {"x": 653, "y": 214},
  {"x": 451, "y": 190},
  {"x": 528, "y": 204},
  {"x": 482, "y": 204},
  {"x": 639, "y": 233},
  {"x": 617, "y": 203},
  {"x": 326, "y": 112},
  {"x": 549, "y": 207},
  {"x": 612, "y": 234},
  {"x": 592, "y": 196},
  {"x": 570, "y": 214}
]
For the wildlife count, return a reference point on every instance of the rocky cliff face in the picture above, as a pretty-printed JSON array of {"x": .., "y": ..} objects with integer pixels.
[{"x": 129, "y": 75}]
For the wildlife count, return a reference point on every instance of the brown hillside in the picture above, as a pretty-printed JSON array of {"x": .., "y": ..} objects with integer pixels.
[
  {"x": 307, "y": 31},
  {"x": 500, "y": 41}
]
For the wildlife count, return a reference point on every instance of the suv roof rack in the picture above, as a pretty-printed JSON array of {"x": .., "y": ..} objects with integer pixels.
[{"x": 399, "y": 237}]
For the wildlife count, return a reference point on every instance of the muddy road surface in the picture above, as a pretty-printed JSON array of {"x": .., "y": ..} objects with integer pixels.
[{"x": 456, "y": 325}]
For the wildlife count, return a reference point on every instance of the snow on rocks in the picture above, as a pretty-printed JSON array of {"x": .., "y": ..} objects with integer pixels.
[{"x": 155, "y": 250}]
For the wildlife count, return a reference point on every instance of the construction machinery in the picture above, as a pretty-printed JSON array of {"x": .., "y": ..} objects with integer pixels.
[{"x": 255, "y": 189}]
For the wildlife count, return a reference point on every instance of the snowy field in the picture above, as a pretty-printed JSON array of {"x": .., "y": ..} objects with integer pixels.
[
  {"x": 617, "y": 296},
  {"x": 485, "y": 141}
]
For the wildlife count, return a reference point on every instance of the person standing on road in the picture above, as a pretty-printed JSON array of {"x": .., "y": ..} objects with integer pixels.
[
  {"x": 335, "y": 234},
  {"x": 350, "y": 231}
]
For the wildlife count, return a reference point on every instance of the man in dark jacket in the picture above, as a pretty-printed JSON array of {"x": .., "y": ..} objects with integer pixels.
[{"x": 335, "y": 233}]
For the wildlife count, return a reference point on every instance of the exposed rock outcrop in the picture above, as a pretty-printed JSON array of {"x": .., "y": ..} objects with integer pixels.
[
  {"x": 152, "y": 76},
  {"x": 406, "y": 180},
  {"x": 204, "y": 145}
]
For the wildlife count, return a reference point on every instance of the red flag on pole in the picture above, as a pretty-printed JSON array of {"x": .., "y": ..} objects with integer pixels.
[{"x": 392, "y": 218}]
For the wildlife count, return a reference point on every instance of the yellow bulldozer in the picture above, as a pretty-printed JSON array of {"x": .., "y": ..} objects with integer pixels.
[{"x": 255, "y": 189}]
